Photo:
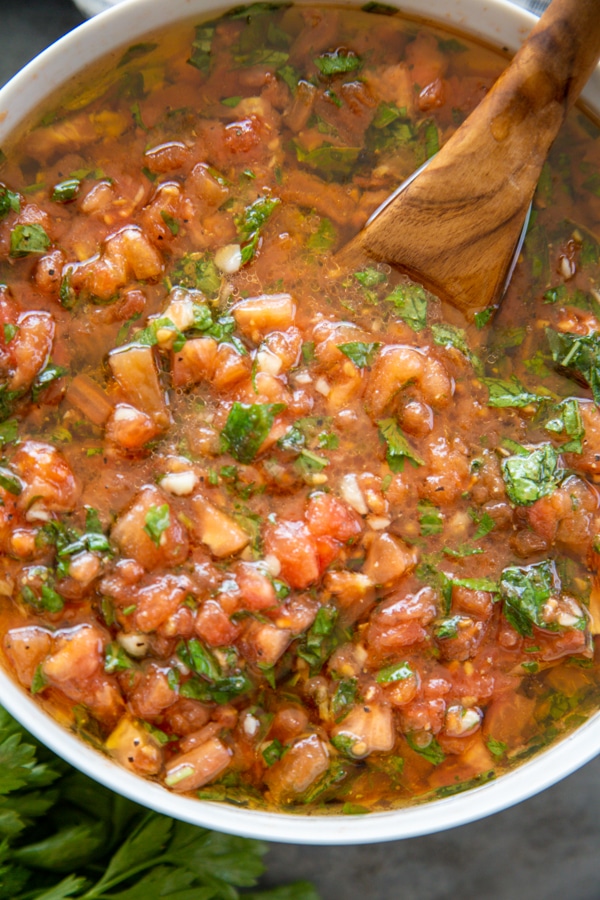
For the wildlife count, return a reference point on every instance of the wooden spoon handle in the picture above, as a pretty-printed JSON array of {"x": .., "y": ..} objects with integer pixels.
[
  {"x": 549, "y": 71},
  {"x": 455, "y": 227}
]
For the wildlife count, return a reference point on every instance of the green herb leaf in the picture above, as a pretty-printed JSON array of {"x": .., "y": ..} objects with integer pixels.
[
  {"x": 431, "y": 520},
  {"x": 171, "y": 223},
  {"x": 158, "y": 519},
  {"x": 324, "y": 238},
  {"x": 337, "y": 63},
  {"x": 532, "y": 476},
  {"x": 360, "y": 353},
  {"x": 201, "y": 47},
  {"x": 333, "y": 162},
  {"x": 450, "y": 336},
  {"x": 199, "y": 659},
  {"x": 9, "y": 202},
  {"x": 251, "y": 222},
  {"x": 247, "y": 426},
  {"x": 398, "y": 448},
  {"x": 344, "y": 697},
  {"x": 10, "y": 482},
  {"x": 115, "y": 659},
  {"x": 66, "y": 190},
  {"x": 578, "y": 356},
  {"x": 496, "y": 748},
  {"x": 410, "y": 301},
  {"x": 51, "y": 373},
  {"x": 509, "y": 394},
  {"x": 273, "y": 752},
  {"x": 433, "y": 753},
  {"x": 484, "y": 523},
  {"x": 524, "y": 591},
  {"x": 568, "y": 421},
  {"x": 26, "y": 239},
  {"x": 401, "y": 671}
]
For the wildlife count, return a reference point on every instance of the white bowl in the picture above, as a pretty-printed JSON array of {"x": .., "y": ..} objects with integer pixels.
[{"x": 499, "y": 23}]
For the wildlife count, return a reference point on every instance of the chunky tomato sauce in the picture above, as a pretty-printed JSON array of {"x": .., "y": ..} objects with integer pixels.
[{"x": 273, "y": 532}]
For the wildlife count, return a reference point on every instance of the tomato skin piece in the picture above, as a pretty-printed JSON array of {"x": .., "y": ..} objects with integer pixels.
[
  {"x": 296, "y": 550},
  {"x": 326, "y": 515}
]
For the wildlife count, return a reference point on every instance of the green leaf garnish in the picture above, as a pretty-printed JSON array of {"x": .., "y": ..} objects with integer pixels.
[
  {"x": 26, "y": 239},
  {"x": 578, "y": 356},
  {"x": 450, "y": 336},
  {"x": 247, "y": 426},
  {"x": 337, "y": 63},
  {"x": 509, "y": 394},
  {"x": 398, "y": 448},
  {"x": 524, "y": 591},
  {"x": 360, "y": 353},
  {"x": 401, "y": 671},
  {"x": 157, "y": 521},
  {"x": 9, "y": 202},
  {"x": 531, "y": 476},
  {"x": 430, "y": 518},
  {"x": 249, "y": 224},
  {"x": 567, "y": 421},
  {"x": 433, "y": 753},
  {"x": 410, "y": 301},
  {"x": 66, "y": 190}
]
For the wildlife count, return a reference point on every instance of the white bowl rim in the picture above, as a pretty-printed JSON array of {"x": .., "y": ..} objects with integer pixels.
[{"x": 499, "y": 23}]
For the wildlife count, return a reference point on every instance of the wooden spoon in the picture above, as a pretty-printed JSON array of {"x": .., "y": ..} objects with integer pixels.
[{"x": 454, "y": 227}]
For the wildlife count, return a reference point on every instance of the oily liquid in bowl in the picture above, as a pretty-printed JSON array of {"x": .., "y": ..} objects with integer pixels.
[{"x": 317, "y": 579}]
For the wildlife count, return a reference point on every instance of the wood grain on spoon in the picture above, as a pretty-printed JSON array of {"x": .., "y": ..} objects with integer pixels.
[{"x": 455, "y": 227}]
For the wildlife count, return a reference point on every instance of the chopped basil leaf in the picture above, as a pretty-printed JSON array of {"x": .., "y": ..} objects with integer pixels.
[
  {"x": 9, "y": 431},
  {"x": 450, "y": 336},
  {"x": 223, "y": 690},
  {"x": 344, "y": 743},
  {"x": 197, "y": 271},
  {"x": 370, "y": 277},
  {"x": 433, "y": 753},
  {"x": 135, "y": 52},
  {"x": 344, "y": 697},
  {"x": 329, "y": 160},
  {"x": 199, "y": 659},
  {"x": 201, "y": 47},
  {"x": 337, "y": 63},
  {"x": 398, "y": 448},
  {"x": 250, "y": 223},
  {"x": 324, "y": 238},
  {"x": 148, "y": 335},
  {"x": 531, "y": 476},
  {"x": 309, "y": 462},
  {"x": 432, "y": 139},
  {"x": 9, "y": 331},
  {"x": 360, "y": 353},
  {"x": 578, "y": 356},
  {"x": 290, "y": 76},
  {"x": 273, "y": 752},
  {"x": 385, "y": 115},
  {"x": 9, "y": 202},
  {"x": 158, "y": 519},
  {"x": 39, "y": 681},
  {"x": 308, "y": 351},
  {"x": 10, "y": 482},
  {"x": 524, "y": 591},
  {"x": 319, "y": 641},
  {"x": 484, "y": 523},
  {"x": 483, "y": 316},
  {"x": 496, "y": 748},
  {"x": 50, "y": 600},
  {"x": 66, "y": 190},
  {"x": 567, "y": 420},
  {"x": 448, "y": 790},
  {"x": 171, "y": 223},
  {"x": 477, "y": 584},
  {"x": 446, "y": 629},
  {"x": 430, "y": 518},
  {"x": 401, "y": 671},
  {"x": 247, "y": 426},
  {"x": 115, "y": 659},
  {"x": 410, "y": 301},
  {"x": 509, "y": 394},
  {"x": 51, "y": 373},
  {"x": 26, "y": 239},
  {"x": 232, "y": 102}
]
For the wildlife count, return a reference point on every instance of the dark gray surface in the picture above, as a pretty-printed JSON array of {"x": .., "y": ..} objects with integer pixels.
[{"x": 547, "y": 848}]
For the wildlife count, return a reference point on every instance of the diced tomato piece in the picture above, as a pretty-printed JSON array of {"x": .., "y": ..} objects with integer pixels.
[
  {"x": 326, "y": 515},
  {"x": 296, "y": 550},
  {"x": 214, "y": 626}
]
